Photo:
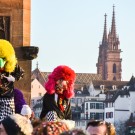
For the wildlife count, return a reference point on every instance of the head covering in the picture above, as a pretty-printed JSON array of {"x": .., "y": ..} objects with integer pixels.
[
  {"x": 19, "y": 100},
  {"x": 61, "y": 72},
  {"x": 16, "y": 123},
  {"x": 26, "y": 110},
  {"x": 7, "y": 52}
]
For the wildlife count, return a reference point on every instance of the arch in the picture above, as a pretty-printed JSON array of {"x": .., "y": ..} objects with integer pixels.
[
  {"x": 114, "y": 68},
  {"x": 114, "y": 46}
]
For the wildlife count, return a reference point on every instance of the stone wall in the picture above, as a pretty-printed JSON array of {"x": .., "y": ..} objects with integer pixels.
[{"x": 19, "y": 35}]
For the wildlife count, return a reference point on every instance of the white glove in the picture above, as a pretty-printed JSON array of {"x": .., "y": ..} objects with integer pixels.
[{"x": 10, "y": 78}]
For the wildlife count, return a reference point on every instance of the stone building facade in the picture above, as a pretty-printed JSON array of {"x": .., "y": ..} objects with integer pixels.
[
  {"x": 15, "y": 27},
  {"x": 109, "y": 61}
]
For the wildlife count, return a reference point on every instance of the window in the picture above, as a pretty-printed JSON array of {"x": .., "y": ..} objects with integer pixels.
[
  {"x": 79, "y": 100},
  {"x": 86, "y": 106},
  {"x": 86, "y": 115},
  {"x": 92, "y": 106},
  {"x": 97, "y": 116},
  {"x": 92, "y": 115},
  {"x": 101, "y": 106},
  {"x": 114, "y": 46},
  {"x": 114, "y": 87},
  {"x": 102, "y": 87},
  {"x": 109, "y": 115},
  {"x": 114, "y": 68},
  {"x": 101, "y": 116},
  {"x": 97, "y": 105},
  {"x": 72, "y": 100},
  {"x": 79, "y": 92}
]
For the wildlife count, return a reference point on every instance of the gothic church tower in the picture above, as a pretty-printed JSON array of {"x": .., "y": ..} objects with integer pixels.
[{"x": 109, "y": 61}]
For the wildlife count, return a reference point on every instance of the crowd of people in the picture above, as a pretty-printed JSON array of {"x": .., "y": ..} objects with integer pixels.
[
  {"x": 17, "y": 124},
  {"x": 16, "y": 116}
]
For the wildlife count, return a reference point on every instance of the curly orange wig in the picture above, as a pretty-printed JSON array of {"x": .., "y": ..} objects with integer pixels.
[{"x": 61, "y": 72}]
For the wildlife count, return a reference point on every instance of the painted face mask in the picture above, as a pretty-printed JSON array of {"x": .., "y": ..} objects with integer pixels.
[
  {"x": 2, "y": 63},
  {"x": 61, "y": 85}
]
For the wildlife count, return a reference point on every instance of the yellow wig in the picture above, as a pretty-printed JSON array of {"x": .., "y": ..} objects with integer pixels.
[{"x": 8, "y": 54}]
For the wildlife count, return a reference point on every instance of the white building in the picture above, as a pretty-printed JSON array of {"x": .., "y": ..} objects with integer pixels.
[
  {"x": 37, "y": 91},
  {"x": 119, "y": 104}
]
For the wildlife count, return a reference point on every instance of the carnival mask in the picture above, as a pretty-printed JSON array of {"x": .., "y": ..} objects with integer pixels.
[
  {"x": 61, "y": 85},
  {"x": 2, "y": 63}
]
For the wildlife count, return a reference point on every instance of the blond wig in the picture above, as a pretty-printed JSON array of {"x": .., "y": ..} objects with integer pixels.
[{"x": 8, "y": 54}]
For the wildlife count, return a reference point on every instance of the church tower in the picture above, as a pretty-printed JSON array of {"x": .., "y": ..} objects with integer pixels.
[{"x": 109, "y": 61}]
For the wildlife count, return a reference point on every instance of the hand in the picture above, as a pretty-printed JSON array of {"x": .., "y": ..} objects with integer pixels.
[{"x": 10, "y": 78}]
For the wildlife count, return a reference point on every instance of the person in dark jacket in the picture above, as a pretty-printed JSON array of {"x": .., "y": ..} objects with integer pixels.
[
  {"x": 60, "y": 88},
  {"x": 10, "y": 72}
]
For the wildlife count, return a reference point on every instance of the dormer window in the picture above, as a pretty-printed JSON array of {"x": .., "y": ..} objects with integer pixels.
[
  {"x": 114, "y": 87},
  {"x": 102, "y": 87},
  {"x": 79, "y": 92}
]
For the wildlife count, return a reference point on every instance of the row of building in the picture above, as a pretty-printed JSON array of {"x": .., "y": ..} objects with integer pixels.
[
  {"x": 112, "y": 101},
  {"x": 97, "y": 96}
]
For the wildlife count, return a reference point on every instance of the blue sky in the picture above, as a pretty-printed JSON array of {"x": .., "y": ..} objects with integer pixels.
[{"x": 68, "y": 32}]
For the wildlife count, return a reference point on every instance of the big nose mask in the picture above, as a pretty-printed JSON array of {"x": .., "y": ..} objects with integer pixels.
[{"x": 2, "y": 63}]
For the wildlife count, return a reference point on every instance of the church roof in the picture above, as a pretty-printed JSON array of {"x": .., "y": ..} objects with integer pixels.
[
  {"x": 109, "y": 84},
  {"x": 86, "y": 77},
  {"x": 40, "y": 76},
  {"x": 83, "y": 80},
  {"x": 80, "y": 77}
]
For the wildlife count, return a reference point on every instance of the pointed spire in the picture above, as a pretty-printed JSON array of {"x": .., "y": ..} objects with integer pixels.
[
  {"x": 132, "y": 81},
  {"x": 104, "y": 40},
  {"x": 113, "y": 28}
]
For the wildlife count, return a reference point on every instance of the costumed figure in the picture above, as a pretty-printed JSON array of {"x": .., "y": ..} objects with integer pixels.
[
  {"x": 9, "y": 72},
  {"x": 19, "y": 100},
  {"x": 60, "y": 88},
  {"x": 21, "y": 106}
]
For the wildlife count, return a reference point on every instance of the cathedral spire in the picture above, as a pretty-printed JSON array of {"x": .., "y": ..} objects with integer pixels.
[
  {"x": 104, "y": 40},
  {"x": 113, "y": 28}
]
